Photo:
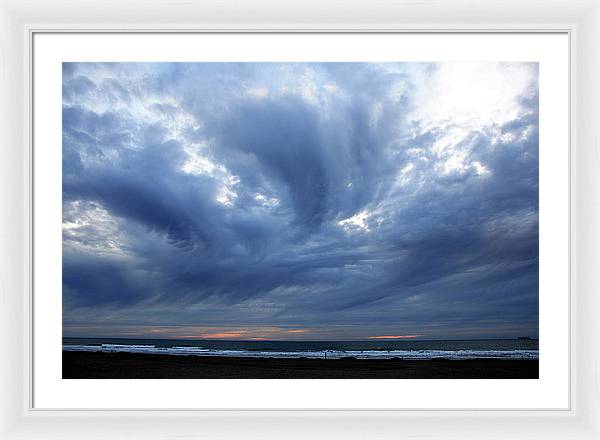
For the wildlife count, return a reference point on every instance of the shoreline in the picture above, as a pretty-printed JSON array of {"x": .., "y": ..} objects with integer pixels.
[{"x": 100, "y": 365}]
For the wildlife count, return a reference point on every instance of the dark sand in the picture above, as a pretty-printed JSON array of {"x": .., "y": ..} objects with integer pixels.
[{"x": 83, "y": 365}]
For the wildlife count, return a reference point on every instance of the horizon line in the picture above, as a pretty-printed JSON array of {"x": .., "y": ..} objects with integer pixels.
[{"x": 368, "y": 339}]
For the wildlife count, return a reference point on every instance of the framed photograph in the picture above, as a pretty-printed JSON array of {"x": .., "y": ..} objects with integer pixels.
[{"x": 299, "y": 226}]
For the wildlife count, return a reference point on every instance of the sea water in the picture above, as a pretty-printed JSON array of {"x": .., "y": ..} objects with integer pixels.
[{"x": 404, "y": 349}]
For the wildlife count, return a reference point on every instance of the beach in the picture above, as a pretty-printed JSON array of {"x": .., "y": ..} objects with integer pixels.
[{"x": 102, "y": 365}]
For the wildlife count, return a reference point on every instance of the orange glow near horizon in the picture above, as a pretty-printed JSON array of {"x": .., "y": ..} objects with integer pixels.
[
  {"x": 223, "y": 335},
  {"x": 394, "y": 337},
  {"x": 265, "y": 333},
  {"x": 159, "y": 330},
  {"x": 249, "y": 334}
]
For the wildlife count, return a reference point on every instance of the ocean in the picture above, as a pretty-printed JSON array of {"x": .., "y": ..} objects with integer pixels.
[{"x": 372, "y": 349}]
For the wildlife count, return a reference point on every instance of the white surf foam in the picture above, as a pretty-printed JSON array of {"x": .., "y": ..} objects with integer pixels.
[{"x": 329, "y": 354}]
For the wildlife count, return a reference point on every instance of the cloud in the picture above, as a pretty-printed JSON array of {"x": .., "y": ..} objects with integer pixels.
[{"x": 351, "y": 199}]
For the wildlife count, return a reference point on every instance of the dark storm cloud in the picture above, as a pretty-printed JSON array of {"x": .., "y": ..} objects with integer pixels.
[{"x": 294, "y": 195}]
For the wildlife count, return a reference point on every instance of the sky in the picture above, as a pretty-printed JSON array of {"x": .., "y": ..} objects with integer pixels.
[{"x": 304, "y": 201}]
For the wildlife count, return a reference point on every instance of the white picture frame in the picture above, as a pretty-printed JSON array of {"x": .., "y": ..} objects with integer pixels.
[{"x": 18, "y": 22}]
